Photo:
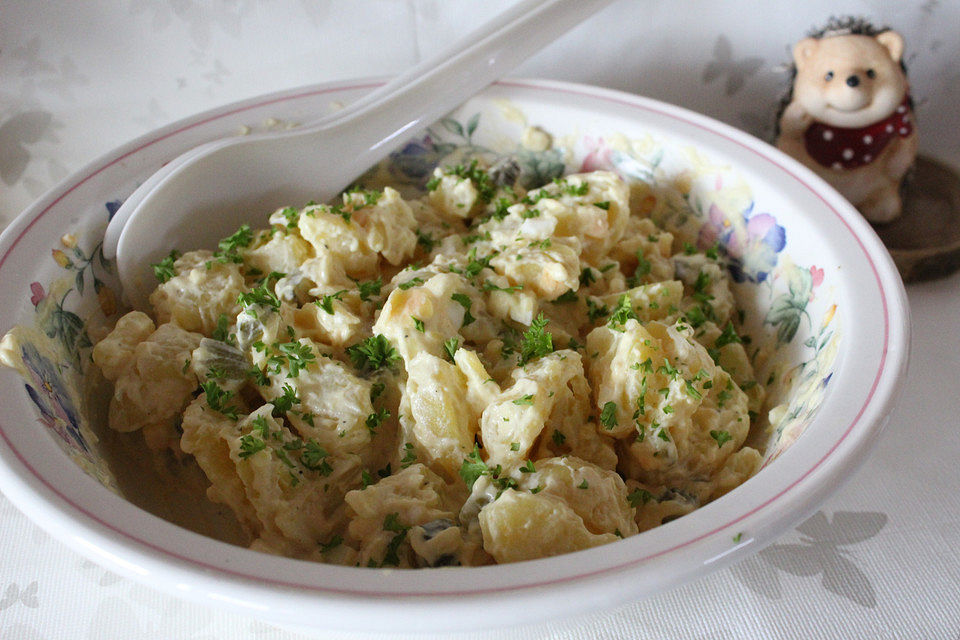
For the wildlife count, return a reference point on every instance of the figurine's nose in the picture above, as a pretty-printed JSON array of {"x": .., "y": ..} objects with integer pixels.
[{"x": 853, "y": 81}]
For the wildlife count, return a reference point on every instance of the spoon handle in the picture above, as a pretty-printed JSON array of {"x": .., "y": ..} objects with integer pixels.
[{"x": 396, "y": 111}]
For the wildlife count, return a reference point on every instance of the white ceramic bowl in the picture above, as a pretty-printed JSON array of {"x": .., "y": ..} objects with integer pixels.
[{"x": 817, "y": 285}]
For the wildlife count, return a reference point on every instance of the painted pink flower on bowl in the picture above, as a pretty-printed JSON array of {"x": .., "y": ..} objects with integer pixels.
[
  {"x": 599, "y": 158},
  {"x": 37, "y": 294}
]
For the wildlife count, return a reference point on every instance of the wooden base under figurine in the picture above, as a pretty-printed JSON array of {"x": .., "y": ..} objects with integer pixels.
[{"x": 925, "y": 240}]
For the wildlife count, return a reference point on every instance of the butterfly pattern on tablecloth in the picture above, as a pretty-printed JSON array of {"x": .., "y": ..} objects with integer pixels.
[
  {"x": 823, "y": 550},
  {"x": 17, "y": 134},
  {"x": 724, "y": 64},
  {"x": 14, "y": 594}
]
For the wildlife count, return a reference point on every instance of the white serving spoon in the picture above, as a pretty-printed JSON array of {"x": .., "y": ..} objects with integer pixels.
[{"x": 208, "y": 192}]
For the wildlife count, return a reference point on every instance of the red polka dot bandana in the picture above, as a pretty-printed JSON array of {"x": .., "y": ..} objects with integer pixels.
[{"x": 842, "y": 148}]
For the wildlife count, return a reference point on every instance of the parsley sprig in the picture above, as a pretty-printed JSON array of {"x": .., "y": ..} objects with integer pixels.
[
  {"x": 218, "y": 399},
  {"x": 536, "y": 341},
  {"x": 164, "y": 270},
  {"x": 228, "y": 249},
  {"x": 373, "y": 353},
  {"x": 473, "y": 467}
]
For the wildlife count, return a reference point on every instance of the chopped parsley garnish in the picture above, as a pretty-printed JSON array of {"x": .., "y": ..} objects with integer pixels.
[
  {"x": 486, "y": 189},
  {"x": 489, "y": 286},
  {"x": 333, "y": 543},
  {"x": 596, "y": 311},
  {"x": 285, "y": 401},
  {"x": 586, "y": 277},
  {"x": 313, "y": 457},
  {"x": 259, "y": 296},
  {"x": 163, "y": 270},
  {"x": 366, "y": 479},
  {"x": 326, "y": 302},
  {"x": 392, "y": 523},
  {"x": 409, "y": 457},
  {"x": 369, "y": 288},
  {"x": 668, "y": 369},
  {"x": 376, "y": 419},
  {"x": 476, "y": 265},
  {"x": 528, "y": 467},
  {"x": 729, "y": 336},
  {"x": 623, "y": 312},
  {"x": 571, "y": 189},
  {"x": 426, "y": 241},
  {"x": 473, "y": 467},
  {"x": 464, "y": 301},
  {"x": 526, "y": 400},
  {"x": 639, "y": 497},
  {"x": 418, "y": 324},
  {"x": 218, "y": 399},
  {"x": 222, "y": 332},
  {"x": 558, "y": 438},
  {"x": 700, "y": 287},
  {"x": 451, "y": 346},
  {"x": 695, "y": 316},
  {"x": 536, "y": 342},
  {"x": 500, "y": 209},
  {"x": 412, "y": 282},
  {"x": 228, "y": 249},
  {"x": 291, "y": 215},
  {"x": 373, "y": 353},
  {"x": 583, "y": 485},
  {"x": 250, "y": 444},
  {"x": 370, "y": 196},
  {"x": 258, "y": 376},
  {"x": 644, "y": 267},
  {"x": 563, "y": 298},
  {"x": 296, "y": 356},
  {"x": 608, "y": 415},
  {"x": 720, "y": 436},
  {"x": 605, "y": 205},
  {"x": 475, "y": 237}
]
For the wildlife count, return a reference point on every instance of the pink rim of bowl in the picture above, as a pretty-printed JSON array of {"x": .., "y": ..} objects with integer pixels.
[{"x": 294, "y": 592}]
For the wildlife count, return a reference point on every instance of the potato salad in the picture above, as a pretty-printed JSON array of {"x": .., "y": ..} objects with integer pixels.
[{"x": 478, "y": 375}]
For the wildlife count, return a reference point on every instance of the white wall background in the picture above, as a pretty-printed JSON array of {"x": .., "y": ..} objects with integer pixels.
[{"x": 80, "y": 77}]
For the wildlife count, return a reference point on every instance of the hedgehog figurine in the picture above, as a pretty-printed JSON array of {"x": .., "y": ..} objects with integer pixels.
[{"x": 848, "y": 115}]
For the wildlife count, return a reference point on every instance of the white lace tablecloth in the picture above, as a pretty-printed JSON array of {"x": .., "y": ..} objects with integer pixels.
[{"x": 881, "y": 559}]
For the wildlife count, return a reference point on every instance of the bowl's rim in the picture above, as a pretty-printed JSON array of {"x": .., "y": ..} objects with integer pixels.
[{"x": 113, "y": 546}]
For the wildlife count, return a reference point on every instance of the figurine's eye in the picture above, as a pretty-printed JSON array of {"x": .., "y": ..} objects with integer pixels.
[
  {"x": 871, "y": 74},
  {"x": 829, "y": 76}
]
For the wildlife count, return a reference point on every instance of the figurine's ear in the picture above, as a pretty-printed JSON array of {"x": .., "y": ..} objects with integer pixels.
[
  {"x": 804, "y": 50},
  {"x": 892, "y": 42}
]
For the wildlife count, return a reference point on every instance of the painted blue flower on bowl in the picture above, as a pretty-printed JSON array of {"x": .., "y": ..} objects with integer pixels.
[
  {"x": 416, "y": 160},
  {"x": 752, "y": 241},
  {"x": 49, "y": 392}
]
